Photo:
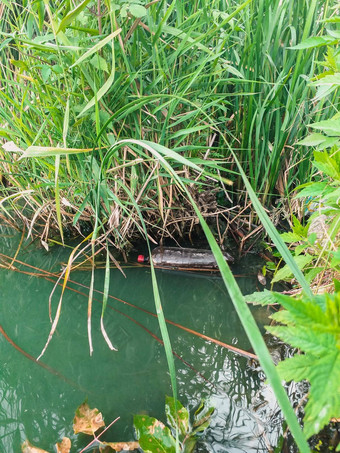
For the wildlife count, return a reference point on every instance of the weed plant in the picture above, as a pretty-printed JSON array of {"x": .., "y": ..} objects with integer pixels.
[
  {"x": 119, "y": 110},
  {"x": 186, "y": 75}
]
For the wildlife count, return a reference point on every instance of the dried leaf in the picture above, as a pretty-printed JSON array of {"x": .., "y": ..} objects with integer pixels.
[
  {"x": 119, "y": 446},
  {"x": 11, "y": 147},
  {"x": 87, "y": 420},
  {"x": 27, "y": 447},
  {"x": 261, "y": 278},
  {"x": 64, "y": 446}
]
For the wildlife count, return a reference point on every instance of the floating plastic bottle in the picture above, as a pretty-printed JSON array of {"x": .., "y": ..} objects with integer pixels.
[{"x": 176, "y": 257}]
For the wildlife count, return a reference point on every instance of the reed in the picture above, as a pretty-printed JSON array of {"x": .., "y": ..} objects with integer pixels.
[
  {"x": 185, "y": 75},
  {"x": 118, "y": 118}
]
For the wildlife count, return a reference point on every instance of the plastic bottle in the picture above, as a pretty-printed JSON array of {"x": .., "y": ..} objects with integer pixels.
[{"x": 176, "y": 257}]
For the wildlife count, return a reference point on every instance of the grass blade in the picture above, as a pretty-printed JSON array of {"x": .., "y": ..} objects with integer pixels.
[{"x": 97, "y": 47}]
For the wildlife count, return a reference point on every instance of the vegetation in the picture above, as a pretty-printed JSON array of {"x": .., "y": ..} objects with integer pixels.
[
  {"x": 153, "y": 436},
  {"x": 119, "y": 115},
  {"x": 198, "y": 78}
]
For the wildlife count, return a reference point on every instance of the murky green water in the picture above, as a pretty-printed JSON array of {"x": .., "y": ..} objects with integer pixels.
[{"x": 38, "y": 405}]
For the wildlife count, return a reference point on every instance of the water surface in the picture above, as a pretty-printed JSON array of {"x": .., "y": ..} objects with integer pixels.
[{"x": 39, "y": 405}]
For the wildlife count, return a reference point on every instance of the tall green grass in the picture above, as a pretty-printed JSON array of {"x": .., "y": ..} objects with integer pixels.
[
  {"x": 186, "y": 75},
  {"x": 118, "y": 114}
]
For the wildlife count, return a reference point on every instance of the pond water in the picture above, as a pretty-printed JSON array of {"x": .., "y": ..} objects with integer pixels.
[{"x": 38, "y": 404}]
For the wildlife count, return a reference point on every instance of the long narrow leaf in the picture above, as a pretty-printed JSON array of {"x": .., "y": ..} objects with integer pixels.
[
  {"x": 97, "y": 47},
  {"x": 71, "y": 15},
  {"x": 247, "y": 320}
]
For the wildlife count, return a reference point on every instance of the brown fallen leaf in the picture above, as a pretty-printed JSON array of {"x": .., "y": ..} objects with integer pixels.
[
  {"x": 64, "y": 446},
  {"x": 261, "y": 278},
  {"x": 27, "y": 447},
  {"x": 118, "y": 446},
  {"x": 87, "y": 420}
]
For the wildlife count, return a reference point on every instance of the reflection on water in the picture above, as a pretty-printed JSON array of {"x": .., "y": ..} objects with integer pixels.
[{"x": 39, "y": 404}]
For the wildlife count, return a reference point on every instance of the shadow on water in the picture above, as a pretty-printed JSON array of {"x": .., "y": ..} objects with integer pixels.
[{"x": 39, "y": 405}]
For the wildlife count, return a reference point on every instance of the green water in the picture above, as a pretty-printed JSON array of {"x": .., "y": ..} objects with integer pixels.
[{"x": 39, "y": 405}]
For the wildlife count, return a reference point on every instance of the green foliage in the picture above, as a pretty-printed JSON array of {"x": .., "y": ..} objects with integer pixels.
[
  {"x": 154, "y": 436},
  {"x": 187, "y": 76},
  {"x": 316, "y": 244},
  {"x": 312, "y": 324}
]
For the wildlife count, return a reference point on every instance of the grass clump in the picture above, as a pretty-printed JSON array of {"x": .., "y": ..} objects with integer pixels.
[{"x": 185, "y": 75}]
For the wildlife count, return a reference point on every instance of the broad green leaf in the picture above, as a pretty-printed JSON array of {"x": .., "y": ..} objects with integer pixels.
[
  {"x": 323, "y": 373},
  {"x": 137, "y": 10},
  {"x": 45, "y": 73},
  {"x": 335, "y": 258},
  {"x": 329, "y": 80},
  {"x": 296, "y": 368},
  {"x": 177, "y": 415},
  {"x": 324, "y": 401},
  {"x": 311, "y": 274},
  {"x": 313, "y": 189},
  {"x": 264, "y": 297},
  {"x": 326, "y": 164},
  {"x": 329, "y": 143},
  {"x": 313, "y": 326},
  {"x": 314, "y": 41},
  {"x": 312, "y": 139},
  {"x": 100, "y": 63},
  {"x": 301, "y": 261},
  {"x": 304, "y": 338},
  {"x": 330, "y": 127},
  {"x": 153, "y": 435},
  {"x": 291, "y": 237}
]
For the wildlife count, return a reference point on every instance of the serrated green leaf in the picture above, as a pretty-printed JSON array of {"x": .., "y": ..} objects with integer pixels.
[
  {"x": 312, "y": 139},
  {"x": 296, "y": 368},
  {"x": 313, "y": 326},
  {"x": 302, "y": 261},
  {"x": 300, "y": 248},
  {"x": 330, "y": 127},
  {"x": 153, "y": 435},
  {"x": 264, "y": 297},
  {"x": 313, "y": 189},
  {"x": 324, "y": 400},
  {"x": 335, "y": 281},
  {"x": 329, "y": 143},
  {"x": 291, "y": 237},
  {"x": 304, "y": 338},
  {"x": 310, "y": 275},
  {"x": 335, "y": 258},
  {"x": 314, "y": 41},
  {"x": 329, "y": 80}
]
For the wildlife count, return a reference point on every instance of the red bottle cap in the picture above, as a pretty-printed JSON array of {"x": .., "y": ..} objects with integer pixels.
[{"x": 141, "y": 259}]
